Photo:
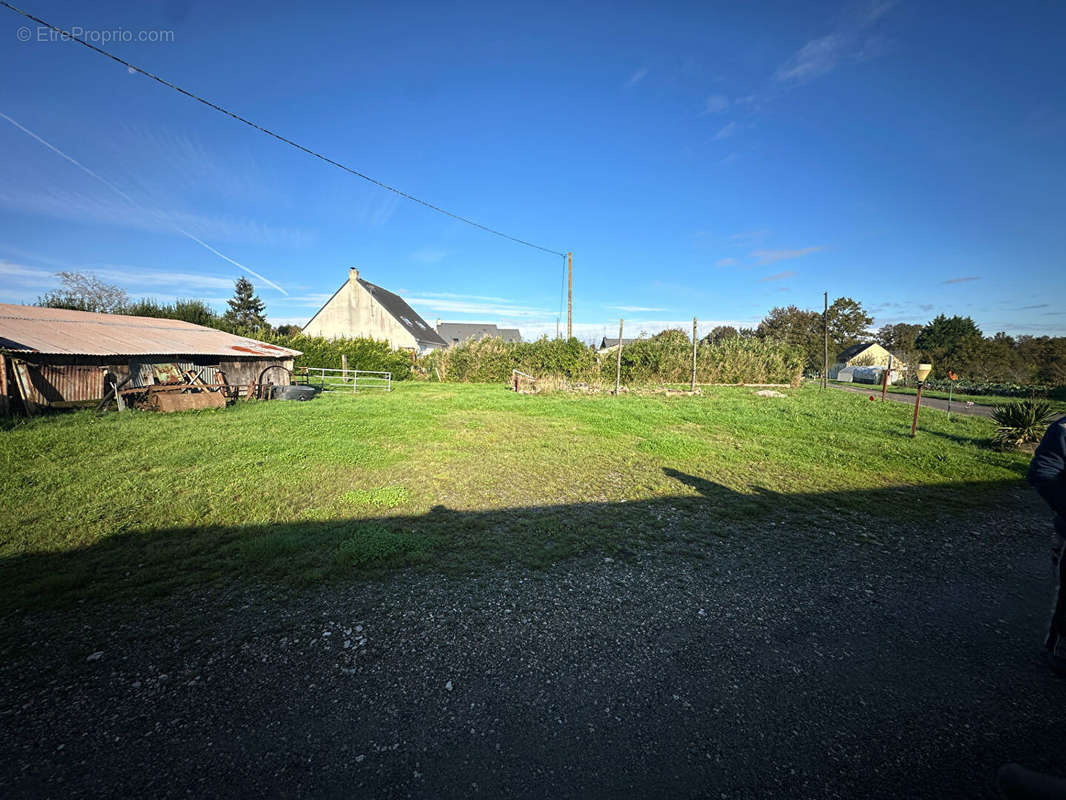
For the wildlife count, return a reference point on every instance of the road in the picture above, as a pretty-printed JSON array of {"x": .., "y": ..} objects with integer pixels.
[
  {"x": 771, "y": 662},
  {"x": 957, "y": 406}
]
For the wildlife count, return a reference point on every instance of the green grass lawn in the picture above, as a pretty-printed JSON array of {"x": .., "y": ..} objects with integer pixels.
[{"x": 451, "y": 477}]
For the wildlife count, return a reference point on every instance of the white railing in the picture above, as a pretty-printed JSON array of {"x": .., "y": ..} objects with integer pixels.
[{"x": 328, "y": 379}]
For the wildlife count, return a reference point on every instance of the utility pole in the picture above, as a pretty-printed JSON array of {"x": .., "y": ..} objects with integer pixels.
[
  {"x": 556, "y": 327},
  {"x": 618, "y": 363},
  {"x": 692, "y": 386},
  {"x": 569, "y": 295},
  {"x": 825, "y": 356}
]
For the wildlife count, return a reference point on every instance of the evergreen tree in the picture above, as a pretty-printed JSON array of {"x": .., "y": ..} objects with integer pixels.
[
  {"x": 950, "y": 343},
  {"x": 246, "y": 310}
]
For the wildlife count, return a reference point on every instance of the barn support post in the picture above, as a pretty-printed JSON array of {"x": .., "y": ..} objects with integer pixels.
[{"x": 4, "y": 402}]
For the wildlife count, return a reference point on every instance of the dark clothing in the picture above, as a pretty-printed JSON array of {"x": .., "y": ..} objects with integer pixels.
[{"x": 1047, "y": 472}]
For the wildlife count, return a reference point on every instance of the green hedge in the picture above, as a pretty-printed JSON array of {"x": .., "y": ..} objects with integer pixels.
[
  {"x": 989, "y": 389},
  {"x": 362, "y": 354},
  {"x": 665, "y": 358}
]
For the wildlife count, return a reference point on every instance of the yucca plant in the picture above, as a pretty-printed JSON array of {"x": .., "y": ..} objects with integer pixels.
[{"x": 1025, "y": 421}]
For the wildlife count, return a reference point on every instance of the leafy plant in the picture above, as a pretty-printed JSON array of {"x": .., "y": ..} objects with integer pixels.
[
  {"x": 1021, "y": 422},
  {"x": 664, "y": 358}
]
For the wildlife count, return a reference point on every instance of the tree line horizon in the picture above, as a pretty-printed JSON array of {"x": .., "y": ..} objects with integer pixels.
[{"x": 951, "y": 343}]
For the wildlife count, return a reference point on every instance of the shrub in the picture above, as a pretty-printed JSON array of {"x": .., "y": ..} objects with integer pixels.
[
  {"x": 368, "y": 354},
  {"x": 1021, "y": 422},
  {"x": 664, "y": 358}
]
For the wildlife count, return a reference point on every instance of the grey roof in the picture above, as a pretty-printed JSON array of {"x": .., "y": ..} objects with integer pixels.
[
  {"x": 510, "y": 334},
  {"x": 612, "y": 341},
  {"x": 457, "y": 332},
  {"x": 405, "y": 315}
]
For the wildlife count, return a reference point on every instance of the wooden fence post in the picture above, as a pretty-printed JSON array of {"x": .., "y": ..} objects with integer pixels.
[
  {"x": 618, "y": 365},
  {"x": 692, "y": 385},
  {"x": 344, "y": 366}
]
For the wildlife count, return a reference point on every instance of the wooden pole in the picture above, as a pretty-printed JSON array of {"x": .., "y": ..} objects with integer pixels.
[
  {"x": 917, "y": 402},
  {"x": 344, "y": 366},
  {"x": 825, "y": 355},
  {"x": 884, "y": 385},
  {"x": 3, "y": 384},
  {"x": 618, "y": 363},
  {"x": 692, "y": 383},
  {"x": 569, "y": 295}
]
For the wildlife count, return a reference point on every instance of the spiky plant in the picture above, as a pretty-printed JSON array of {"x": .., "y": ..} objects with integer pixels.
[{"x": 1021, "y": 422}]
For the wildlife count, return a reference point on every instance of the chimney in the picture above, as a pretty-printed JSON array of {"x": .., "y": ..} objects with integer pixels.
[
  {"x": 437, "y": 326},
  {"x": 353, "y": 274}
]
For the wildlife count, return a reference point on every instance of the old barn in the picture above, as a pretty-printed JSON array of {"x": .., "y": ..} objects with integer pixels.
[{"x": 54, "y": 357}]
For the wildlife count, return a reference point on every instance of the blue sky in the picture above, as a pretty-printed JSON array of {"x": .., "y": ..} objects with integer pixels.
[{"x": 698, "y": 159}]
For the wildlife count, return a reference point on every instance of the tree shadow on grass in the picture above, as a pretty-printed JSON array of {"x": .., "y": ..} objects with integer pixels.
[{"x": 142, "y": 565}]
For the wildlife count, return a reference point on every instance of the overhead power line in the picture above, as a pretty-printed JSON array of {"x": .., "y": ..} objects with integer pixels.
[{"x": 269, "y": 132}]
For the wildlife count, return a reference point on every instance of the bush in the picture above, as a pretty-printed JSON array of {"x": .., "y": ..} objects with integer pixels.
[
  {"x": 367, "y": 354},
  {"x": 989, "y": 388},
  {"x": 665, "y": 358},
  {"x": 1017, "y": 423}
]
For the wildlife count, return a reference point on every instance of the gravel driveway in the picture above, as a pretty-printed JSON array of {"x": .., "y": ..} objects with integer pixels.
[
  {"x": 958, "y": 405},
  {"x": 762, "y": 663}
]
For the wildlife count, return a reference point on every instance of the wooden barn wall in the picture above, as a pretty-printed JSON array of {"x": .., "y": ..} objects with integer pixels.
[{"x": 61, "y": 380}]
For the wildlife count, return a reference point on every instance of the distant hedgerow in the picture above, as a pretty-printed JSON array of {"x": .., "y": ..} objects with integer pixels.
[{"x": 664, "y": 358}]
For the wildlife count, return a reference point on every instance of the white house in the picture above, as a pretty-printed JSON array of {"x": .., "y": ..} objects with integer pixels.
[{"x": 360, "y": 309}]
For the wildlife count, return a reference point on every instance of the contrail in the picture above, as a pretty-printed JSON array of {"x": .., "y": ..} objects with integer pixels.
[{"x": 133, "y": 202}]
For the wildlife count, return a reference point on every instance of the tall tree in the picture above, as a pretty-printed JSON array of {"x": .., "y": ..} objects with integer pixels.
[
  {"x": 848, "y": 323},
  {"x": 246, "y": 310},
  {"x": 83, "y": 291},
  {"x": 898, "y": 338},
  {"x": 798, "y": 328},
  {"x": 951, "y": 343},
  {"x": 721, "y": 333}
]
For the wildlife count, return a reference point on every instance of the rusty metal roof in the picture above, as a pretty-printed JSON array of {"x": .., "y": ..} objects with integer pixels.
[{"x": 32, "y": 329}]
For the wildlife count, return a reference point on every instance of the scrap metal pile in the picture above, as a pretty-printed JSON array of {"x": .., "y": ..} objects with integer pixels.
[{"x": 186, "y": 387}]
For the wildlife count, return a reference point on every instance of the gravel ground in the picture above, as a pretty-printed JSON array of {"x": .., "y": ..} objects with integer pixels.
[
  {"x": 764, "y": 663},
  {"x": 958, "y": 405}
]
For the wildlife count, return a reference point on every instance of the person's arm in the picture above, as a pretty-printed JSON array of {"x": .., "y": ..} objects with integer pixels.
[{"x": 1047, "y": 472}]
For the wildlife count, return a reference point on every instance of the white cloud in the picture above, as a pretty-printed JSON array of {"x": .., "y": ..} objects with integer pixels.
[
  {"x": 780, "y": 276},
  {"x": 963, "y": 280},
  {"x": 715, "y": 104},
  {"x": 725, "y": 262},
  {"x": 635, "y": 308},
  {"x": 79, "y": 207},
  {"x": 489, "y": 309},
  {"x": 822, "y": 55},
  {"x": 133, "y": 279},
  {"x": 595, "y": 331},
  {"x": 726, "y": 131},
  {"x": 637, "y": 76},
  {"x": 763, "y": 257},
  {"x": 747, "y": 236}
]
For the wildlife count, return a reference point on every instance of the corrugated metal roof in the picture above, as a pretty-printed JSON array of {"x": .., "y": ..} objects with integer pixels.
[{"x": 56, "y": 331}]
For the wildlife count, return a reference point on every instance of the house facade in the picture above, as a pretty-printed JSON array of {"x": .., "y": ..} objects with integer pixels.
[
  {"x": 360, "y": 309},
  {"x": 860, "y": 361},
  {"x": 868, "y": 354}
]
